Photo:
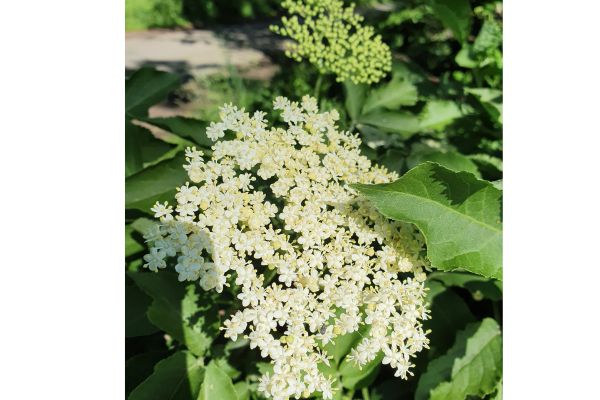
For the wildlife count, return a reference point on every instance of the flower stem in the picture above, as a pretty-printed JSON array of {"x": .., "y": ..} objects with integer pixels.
[
  {"x": 318, "y": 87},
  {"x": 365, "y": 393}
]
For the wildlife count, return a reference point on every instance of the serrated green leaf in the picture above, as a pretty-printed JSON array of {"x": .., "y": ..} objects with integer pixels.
[
  {"x": 391, "y": 95},
  {"x": 355, "y": 98},
  {"x": 478, "y": 286},
  {"x": 498, "y": 394},
  {"x": 458, "y": 214},
  {"x": 136, "y": 305},
  {"x": 217, "y": 385},
  {"x": 184, "y": 311},
  {"x": 355, "y": 378},
  {"x": 155, "y": 183},
  {"x": 470, "y": 368},
  {"x": 438, "y": 114},
  {"x": 147, "y": 87},
  {"x": 177, "y": 377},
  {"x": 140, "y": 367},
  {"x": 191, "y": 128},
  {"x": 403, "y": 123},
  {"x": 455, "y": 15}
]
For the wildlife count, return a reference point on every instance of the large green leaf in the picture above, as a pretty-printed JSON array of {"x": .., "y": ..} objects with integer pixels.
[
  {"x": 192, "y": 128},
  {"x": 471, "y": 367},
  {"x": 155, "y": 183},
  {"x": 402, "y": 123},
  {"x": 177, "y": 377},
  {"x": 141, "y": 147},
  {"x": 391, "y": 96},
  {"x": 458, "y": 214},
  {"x": 455, "y": 15},
  {"x": 184, "y": 311},
  {"x": 355, "y": 98},
  {"x": 217, "y": 385},
  {"x": 147, "y": 87}
]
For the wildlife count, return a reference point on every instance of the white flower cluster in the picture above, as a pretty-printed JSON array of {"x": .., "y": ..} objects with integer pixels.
[{"x": 312, "y": 260}]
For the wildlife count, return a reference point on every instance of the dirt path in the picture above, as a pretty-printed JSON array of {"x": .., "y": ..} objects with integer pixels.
[{"x": 202, "y": 52}]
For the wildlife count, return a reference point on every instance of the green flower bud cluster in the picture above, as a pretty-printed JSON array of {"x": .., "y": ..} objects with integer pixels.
[{"x": 331, "y": 37}]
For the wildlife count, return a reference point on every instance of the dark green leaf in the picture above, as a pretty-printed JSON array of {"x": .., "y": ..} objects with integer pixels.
[
  {"x": 342, "y": 344},
  {"x": 136, "y": 305},
  {"x": 458, "y": 214},
  {"x": 217, "y": 385},
  {"x": 402, "y": 123},
  {"x": 140, "y": 367},
  {"x": 393, "y": 389},
  {"x": 141, "y": 147},
  {"x": 147, "y": 87},
  {"x": 132, "y": 246},
  {"x": 478, "y": 286},
  {"x": 487, "y": 160},
  {"x": 470, "y": 368},
  {"x": 455, "y": 15},
  {"x": 391, "y": 96},
  {"x": 155, "y": 183},
  {"x": 449, "y": 314},
  {"x": 490, "y": 99},
  {"x": 192, "y": 128},
  {"x": 176, "y": 378},
  {"x": 354, "y": 377},
  {"x": 450, "y": 159},
  {"x": 184, "y": 311}
]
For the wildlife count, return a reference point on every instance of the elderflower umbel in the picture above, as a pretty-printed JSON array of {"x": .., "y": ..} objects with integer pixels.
[
  {"x": 331, "y": 37},
  {"x": 273, "y": 214}
]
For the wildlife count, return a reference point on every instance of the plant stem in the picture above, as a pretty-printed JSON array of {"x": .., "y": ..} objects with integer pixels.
[
  {"x": 318, "y": 87},
  {"x": 365, "y": 393}
]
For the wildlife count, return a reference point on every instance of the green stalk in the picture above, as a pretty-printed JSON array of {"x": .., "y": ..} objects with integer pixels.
[
  {"x": 318, "y": 87},
  {"x": 365, "y": 394}
]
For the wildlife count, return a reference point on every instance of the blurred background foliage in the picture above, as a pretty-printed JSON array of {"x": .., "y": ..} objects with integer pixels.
[{"x": 442, "y": 103}]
